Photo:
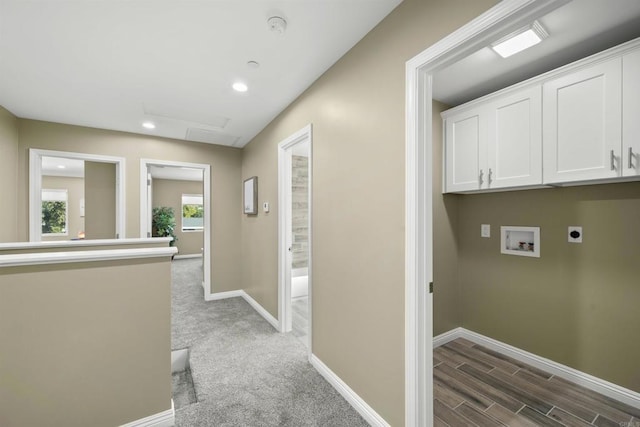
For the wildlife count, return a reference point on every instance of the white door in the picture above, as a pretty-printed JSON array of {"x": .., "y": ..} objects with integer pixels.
[
  {"x": 582, "y": 124},
  {"x": 295, "y": 237},
  {"x": 515, "y": 139},
  {"x": 631, "y": 114}
]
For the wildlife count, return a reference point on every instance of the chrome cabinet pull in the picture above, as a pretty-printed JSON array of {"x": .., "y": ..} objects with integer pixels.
[
  {"x": 613, "y": 161},
  {"x": 489, "y": 176},
  {"x": 630, "y": 158},
  {"x": 480, "y": 177}
]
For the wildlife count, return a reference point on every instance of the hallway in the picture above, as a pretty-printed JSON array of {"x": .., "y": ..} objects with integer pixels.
[{"x": 244, "y": 372}]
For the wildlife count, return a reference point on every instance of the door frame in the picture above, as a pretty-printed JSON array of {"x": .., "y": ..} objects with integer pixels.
[
  {"x": 284, "y": 228},
  {"x": 35, "y": 187},
  {"x": 145, "y": 212},
  {"x": 498, "y": 21}
]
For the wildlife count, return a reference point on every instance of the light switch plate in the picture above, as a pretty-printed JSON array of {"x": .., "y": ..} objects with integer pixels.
[
  {"x": 265, "y": 207},
  {"x": 485, "y": 230},
  {"x": 574, "y": 234}
]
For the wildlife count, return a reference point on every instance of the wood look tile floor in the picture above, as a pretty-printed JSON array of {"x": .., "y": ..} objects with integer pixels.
[{"x": 476, "y": 386}]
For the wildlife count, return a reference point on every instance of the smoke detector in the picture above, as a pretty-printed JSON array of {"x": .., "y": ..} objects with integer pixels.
[{"x": 277, "y": 25}]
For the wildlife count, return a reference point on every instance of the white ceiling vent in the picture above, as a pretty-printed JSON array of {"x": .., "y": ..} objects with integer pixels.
[
  {"x": 187, "y": 115},
  {"x": 210, "y": 136}
]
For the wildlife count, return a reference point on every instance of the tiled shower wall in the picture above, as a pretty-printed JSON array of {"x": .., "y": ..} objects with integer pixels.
[{"x": 300, "y": 217}]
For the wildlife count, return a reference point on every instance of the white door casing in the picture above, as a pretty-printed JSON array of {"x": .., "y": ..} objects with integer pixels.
[{"x": 498, "y": 21}]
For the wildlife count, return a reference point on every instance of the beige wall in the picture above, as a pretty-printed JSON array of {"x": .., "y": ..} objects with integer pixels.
[
  {"x": 447, "y": 314},
  {"x": 8, "y": 176},
  {"x": 85, "y": 344},
  {"x": 100, "y": 200},
  {"x": 167, "y": 192},
  {"x": 578, "y": 303},
  {"x": 357, "y": 111},
  {"x": 225, "y": 182},
  {"x": 75, "y": 192}
]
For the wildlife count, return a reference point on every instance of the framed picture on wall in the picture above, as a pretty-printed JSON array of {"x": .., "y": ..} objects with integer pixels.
[{"x": 250, "y": 196}]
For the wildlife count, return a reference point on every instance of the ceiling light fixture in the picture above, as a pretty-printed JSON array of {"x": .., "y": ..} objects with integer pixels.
[
  {"x": 520, "y": 40},
  {"x": 148, "y": 125},
  {"x": 62, "y": 167},
  {"x": 240, "y": 87},
  {"x": 277, "y": 25}
]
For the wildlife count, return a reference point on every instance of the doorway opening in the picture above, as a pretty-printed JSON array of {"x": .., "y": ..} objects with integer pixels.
[
  {"x": 498, "y": 21},
  {"x": 294, "y": 224},
  {"x": 182, "y": 189}
]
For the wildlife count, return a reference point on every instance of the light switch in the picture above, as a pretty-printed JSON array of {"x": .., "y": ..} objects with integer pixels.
[
  {"x": 265, "y": 207},
  {"x": 485, "y": 230},
  {"x": 574, "y": 234}
]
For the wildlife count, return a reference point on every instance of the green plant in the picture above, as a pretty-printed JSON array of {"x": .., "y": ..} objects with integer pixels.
[{"x": 163, "y": 223}]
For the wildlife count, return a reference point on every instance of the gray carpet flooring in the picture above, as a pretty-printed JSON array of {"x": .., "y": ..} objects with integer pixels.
[{"x": 244, "y": 372}]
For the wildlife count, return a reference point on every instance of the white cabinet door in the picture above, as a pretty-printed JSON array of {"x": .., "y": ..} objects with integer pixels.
[
  {"x": 582, "y": 124},
  {"x": 515, "y": 139},
  {"x": 465, "y": 140},
  {"x": 631, "y": 114}
]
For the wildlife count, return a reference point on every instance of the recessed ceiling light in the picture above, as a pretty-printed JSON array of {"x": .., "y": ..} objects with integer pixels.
[
  {"x": 240, "y": 87},
  {"x": 62, "y": 167},
  {"x": 520, "y": 40},
  {"x": 148, "y": 125}
]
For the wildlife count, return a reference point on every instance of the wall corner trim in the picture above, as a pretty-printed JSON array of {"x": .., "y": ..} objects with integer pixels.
[
  {"x": 598, "y": 385},
  {"x": 366, "y": 411},
  {"x": 161, "y": 419},
  {"x": 253, "y": 303}
]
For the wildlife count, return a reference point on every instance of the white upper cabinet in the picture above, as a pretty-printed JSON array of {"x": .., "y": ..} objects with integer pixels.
[
  {"x": 514, "y": 155},
  {"x": 631, "y": 114},
  {"x": 582, "y": 124},
  {"x": 466, "y": 138},
  {"x": 495, "y": 144},
  {"x": 578, "y": 124}
]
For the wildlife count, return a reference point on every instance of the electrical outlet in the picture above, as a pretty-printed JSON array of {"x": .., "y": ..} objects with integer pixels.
[
  {"x": 485, "y": 230},
  {"x": 574, "y": 235}
]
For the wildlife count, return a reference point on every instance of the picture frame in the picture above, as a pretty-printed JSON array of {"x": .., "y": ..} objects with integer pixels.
[
  {"x": 250, "y": 196},
  {"x": 521, "y": 241}
]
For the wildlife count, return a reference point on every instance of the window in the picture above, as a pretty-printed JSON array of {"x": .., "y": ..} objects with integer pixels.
[
  {"x": 54, "y": 213},
  {"x": 192, "y": 212}
]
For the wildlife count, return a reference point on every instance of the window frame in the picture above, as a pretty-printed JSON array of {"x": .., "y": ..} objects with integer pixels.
[{"x": 182, "y": 204}]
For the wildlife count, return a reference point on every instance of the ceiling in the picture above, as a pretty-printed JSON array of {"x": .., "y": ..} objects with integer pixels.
[
  {"x": 576, "y": 30},
  {"x": 176, "y": 173},
  {"x": 115, "y": 64},
  {"x": 62, "y": 166}
]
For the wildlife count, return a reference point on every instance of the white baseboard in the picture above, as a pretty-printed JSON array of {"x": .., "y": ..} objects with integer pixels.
[
  {"x": 162, "y": 419},
  {"x": 449, "y": 336},
  {"x": 260, "y": 309},
  {"x": 222, "y": 295},
  {"x": 599, "y": 385},
  {"x": 186, "y": 256},
  {"x": 253, "y": 303},
  {"x": 366, "y": 411}
]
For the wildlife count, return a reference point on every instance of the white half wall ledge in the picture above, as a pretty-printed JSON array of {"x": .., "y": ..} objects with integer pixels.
[
  {"x": 43, "y": 258},
  {"x": 365, "y": 411},
  {"x": 588, "y": 381},
  {"x": 83, "y": 243},
  {"x": 162, "y": 419}
]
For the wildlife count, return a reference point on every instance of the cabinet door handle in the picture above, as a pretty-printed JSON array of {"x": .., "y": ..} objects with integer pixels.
[
  {"x": 630, "y": 158},
  {"x": 489, "y": 176},
  {"x": 613, "y": 161},
  {"x": 480, "y": 177}
]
